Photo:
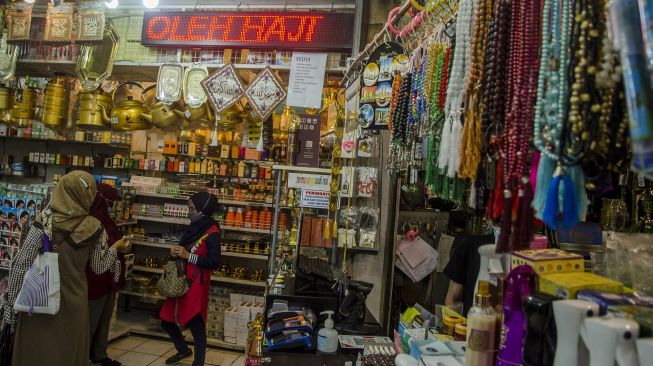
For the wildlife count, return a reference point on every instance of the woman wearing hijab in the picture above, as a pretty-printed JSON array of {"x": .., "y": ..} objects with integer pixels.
[
  {"x": 78, "y": 238},
  {"x": 102, "y": 288},
  {"x": 200, "y": 249}
]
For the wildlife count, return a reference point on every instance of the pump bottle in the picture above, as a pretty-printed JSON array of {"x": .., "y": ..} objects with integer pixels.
[
  {"x": 327, "y": 337},
  {"x": 481, "y": 329}
]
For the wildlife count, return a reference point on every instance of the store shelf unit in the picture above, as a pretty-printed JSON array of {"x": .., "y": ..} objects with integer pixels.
[
  {"x": 75, "y": 142},
  {"x": 213, "y": 278},
  {"x": 223, "y": 253},
  {"x": 164, "y": 219}
]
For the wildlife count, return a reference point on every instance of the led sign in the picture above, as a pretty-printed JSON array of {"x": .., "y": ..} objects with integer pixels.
[{"x": 280, "y": 30}]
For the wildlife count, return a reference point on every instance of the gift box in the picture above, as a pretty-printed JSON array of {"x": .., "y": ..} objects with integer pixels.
[
  {"x": 566, "y": 285},
  {"x": 545, "y": 261}
]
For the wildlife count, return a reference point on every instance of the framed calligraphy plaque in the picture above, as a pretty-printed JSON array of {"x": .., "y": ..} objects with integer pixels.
[
  {"x": 265, "y": 93},
  {"x": 223, "y": 88}
]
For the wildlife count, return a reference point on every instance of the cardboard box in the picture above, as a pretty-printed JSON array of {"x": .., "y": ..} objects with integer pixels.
[
  {"x": 307, "y": 224},
  {"x": 235, "y": 299},
  {"x": 547, "y": 261},
  {"x": 170, "y": 147},
  {"x": 316, "y": 233},
  {"x": 566, "y": 285}
]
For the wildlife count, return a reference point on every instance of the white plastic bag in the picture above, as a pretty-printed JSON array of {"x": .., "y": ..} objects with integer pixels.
[{"x": 41, "y": 289}]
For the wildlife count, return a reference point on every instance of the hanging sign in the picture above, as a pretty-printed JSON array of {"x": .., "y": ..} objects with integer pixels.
[
  {"x": 223, "y": 88},
  {"x": 307, "y": 72},
  {"x": 19, "y": 21},
  {"x": 308, "y": 140},
  {"x": 315, "y": 199},
  {"x": 265, "y": 93},
  {"x": 90, "y": 22},
  {"x": 376, "y": 84},
  {"x": 58, "y": 23},
  {"x": 316, "y": 182},
  {"x": 249, "y": 29}
]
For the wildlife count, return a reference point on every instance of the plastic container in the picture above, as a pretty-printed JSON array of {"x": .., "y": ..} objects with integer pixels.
[
  {"x": 239, "y": 217},
  {"x": 327, "y": 337},
  {"x": 231, "y": 217},
  {"x": 460, "y": 332}
]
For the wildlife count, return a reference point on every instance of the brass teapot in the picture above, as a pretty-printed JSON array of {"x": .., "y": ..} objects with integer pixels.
[
  {"x": 128, "y": 115},
  {"x": 24, "y": 106},
  {"x": 162, "y": 115},
  {"x": 200, "y": 116},
  {"x": 93, "y": 108}
]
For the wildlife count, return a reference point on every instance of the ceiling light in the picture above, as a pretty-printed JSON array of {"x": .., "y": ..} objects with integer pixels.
[
  {"x": 111, "y": 4},
  {"x": 30, "y": 1},
  {"x": 150, "y": 4}
]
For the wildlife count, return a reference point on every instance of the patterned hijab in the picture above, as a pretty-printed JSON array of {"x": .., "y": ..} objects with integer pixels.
[{"x": 70, "y": 205}]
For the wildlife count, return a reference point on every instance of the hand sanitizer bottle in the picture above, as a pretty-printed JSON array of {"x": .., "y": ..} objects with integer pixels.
[{"x": 327, "y": 337}]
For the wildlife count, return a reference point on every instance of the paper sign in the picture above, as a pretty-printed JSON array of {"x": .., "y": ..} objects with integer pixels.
[
  {"x": 308, "y": 139},
  {"x": 315, "y": 182},
  {"x": 265, "y": 93},
  {"x": 307, "y": 72},
  {"x": 315, "y": 199}
]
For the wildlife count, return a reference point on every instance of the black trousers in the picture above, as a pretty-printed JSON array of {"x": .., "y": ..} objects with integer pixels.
[{"x": 198, "y": 329}]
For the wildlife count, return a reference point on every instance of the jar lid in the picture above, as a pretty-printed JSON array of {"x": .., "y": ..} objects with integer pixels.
[{"x": 451, "y": 320}]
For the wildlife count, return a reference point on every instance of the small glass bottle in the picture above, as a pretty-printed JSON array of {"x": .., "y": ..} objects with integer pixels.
[{"x": 481, "y": 329}]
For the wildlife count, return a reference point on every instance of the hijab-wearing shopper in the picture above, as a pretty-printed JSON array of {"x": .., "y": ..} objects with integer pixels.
[
  {"x": 78, "y": 238},
  {"x": 102, "y": 288},
  {"x": 200, "y": 248}
]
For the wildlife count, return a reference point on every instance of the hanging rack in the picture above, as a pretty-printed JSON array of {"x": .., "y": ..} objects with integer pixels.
[{"x": 444, "y": 12}]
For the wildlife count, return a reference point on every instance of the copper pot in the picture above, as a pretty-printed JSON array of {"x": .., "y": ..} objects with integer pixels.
[
  {"x": 56, "y": 102},
  {"x": 93, "y": 110}
]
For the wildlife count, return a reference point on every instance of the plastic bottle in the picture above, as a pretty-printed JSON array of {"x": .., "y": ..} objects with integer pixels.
[
  {"x": 481, "y": 329},
  {"x": 513, "y": 332},
  {"x": 231, "y": 217},
  {"x": 327, "y": 337},
  {"x": 239, "y": 217}
]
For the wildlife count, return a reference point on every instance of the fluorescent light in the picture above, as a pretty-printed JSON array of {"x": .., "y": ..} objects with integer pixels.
[
  {"x": 111, "y": 4},
  {"x": 30, "y": 1},
  {"x": 150, "y": 4}
]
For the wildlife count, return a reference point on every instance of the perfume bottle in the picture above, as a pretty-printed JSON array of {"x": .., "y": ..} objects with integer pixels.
[{"x": 481, "y": 329}]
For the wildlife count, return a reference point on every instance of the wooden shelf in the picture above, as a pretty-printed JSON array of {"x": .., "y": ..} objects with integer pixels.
[
  {"x": 166, "y": 220},
  {"x": 301, "y": 169},
  {"x": 140, "y": 71},
  {"x": 224, "y": 254},
  {"x": 162, "y": 195},
  {"x": 28, "y": 139},
  {"x": 213, "y": 278},
  {"x": 142, "y": 294}
]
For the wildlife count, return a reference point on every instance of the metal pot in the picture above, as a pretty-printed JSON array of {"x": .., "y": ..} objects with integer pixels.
[
  {"x": 128, "y": 114},
  {"x": 6, "y": 103},
  {"x": 162, "y": 115},
  {"x": 24, "y": 104},
  {"x": 93, "y": 110},
  {"x": 56, "y": 102}
]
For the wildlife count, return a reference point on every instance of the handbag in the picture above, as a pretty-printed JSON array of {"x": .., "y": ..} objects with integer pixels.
[
  {"x": 6, "y": 345},
  {"x": 40, "y": 292},
  {"x": 173, "y": 282}
]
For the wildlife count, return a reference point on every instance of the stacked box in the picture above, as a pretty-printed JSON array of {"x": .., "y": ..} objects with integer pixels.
[{"x": 237, "y": 318}]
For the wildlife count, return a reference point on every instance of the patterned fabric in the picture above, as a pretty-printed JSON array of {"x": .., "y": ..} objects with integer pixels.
[
  {"x": 35, "y": 288},
  {"x": 102, "y": 259}
]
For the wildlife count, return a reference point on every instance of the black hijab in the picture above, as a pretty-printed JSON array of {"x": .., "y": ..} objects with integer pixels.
[{"x": 206, "y": 204}]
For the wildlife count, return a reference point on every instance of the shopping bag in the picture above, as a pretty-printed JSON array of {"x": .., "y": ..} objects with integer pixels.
[
  {"x": 40, "y": 292},
  {"x": 6, "y": 346}
]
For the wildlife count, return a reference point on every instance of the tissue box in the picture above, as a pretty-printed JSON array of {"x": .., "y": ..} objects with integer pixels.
[
  {"x": 566, "y": 285},
  {"x": 547, "y": 261},
  {"x": 606, "y": 299}
]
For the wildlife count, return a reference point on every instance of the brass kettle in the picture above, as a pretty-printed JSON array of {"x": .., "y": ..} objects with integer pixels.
[
  {"x": 162, "y": 115},
  {"x": 93, "y": 108},
  {"x": 200, "y": 116},
  {"x": 128, "y": 115}
]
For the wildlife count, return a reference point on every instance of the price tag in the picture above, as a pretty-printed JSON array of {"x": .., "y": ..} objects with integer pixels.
[
  {"x": 187, "y": 114},
  {"x": 114, "y": 120}
]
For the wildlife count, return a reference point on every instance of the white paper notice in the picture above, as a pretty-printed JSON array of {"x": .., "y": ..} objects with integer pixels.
[{"x": 307, "y": 72}]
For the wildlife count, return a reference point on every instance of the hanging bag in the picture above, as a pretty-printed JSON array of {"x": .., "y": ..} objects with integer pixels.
[
  {"x": 173, "y": 282},
  {"x": 40, "y": 292}
]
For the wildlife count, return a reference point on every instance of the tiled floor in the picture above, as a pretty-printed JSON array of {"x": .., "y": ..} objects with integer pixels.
[{"x": 135, "y": 351}]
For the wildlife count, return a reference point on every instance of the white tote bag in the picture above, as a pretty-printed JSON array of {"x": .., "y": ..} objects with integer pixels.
[{"x": 41, "y": 291}]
